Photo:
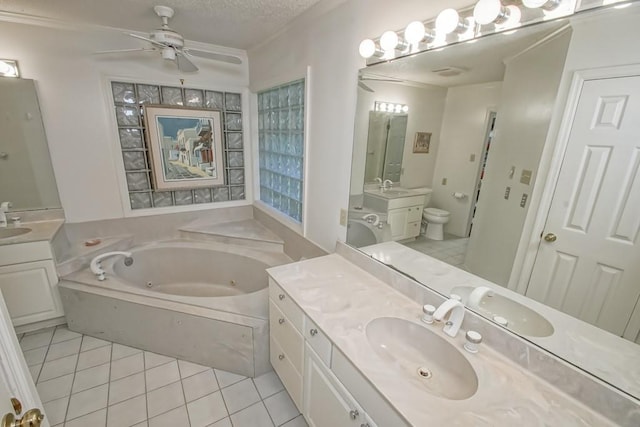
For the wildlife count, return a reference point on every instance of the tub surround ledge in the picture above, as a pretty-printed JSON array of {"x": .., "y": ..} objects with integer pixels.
[{"x": 507, "y": 394}]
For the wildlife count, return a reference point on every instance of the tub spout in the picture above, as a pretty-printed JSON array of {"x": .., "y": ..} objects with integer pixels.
[{"x": 96, "y": 268}]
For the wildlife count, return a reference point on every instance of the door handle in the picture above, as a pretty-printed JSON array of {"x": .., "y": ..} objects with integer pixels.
[
  {"x": 550, "y": 237},
  {"x": 31, "y": 418}
]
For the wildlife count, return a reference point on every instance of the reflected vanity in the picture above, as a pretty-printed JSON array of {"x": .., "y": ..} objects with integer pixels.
[{"x": 529, "y": 82}]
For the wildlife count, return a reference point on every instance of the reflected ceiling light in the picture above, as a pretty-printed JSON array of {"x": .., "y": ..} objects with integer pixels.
[
  {"x": 448, "y": 21},
  {"x": 542, "y": 4},
  {"x": 390, "y": 107},
  {"x": 369, "y": 49},
  {"x": 490, "y": 11},
  {"x": 9, "y": 68},
  {"x": 389, "y": 41}
]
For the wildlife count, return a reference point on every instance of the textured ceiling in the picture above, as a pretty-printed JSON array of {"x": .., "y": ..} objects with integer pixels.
[{"x": 233, "y": 23}]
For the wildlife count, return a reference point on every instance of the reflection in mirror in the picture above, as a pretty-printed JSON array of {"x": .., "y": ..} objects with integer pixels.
[
  {"x": 26, "y": 174},
  {"x": 385, "y": 146},
  {"x": 493, "y": 199}
]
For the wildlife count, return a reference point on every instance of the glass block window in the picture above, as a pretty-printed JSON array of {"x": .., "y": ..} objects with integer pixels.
[
  {"x": 129, "y": 101},
  {"x": 281, "y": 145}
]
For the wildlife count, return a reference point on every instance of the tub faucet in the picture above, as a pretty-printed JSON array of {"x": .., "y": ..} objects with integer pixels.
[
  {"x": 387, "y": 182},
  {"x": 96, "y": 268},
  {"x": 477, "y": 295},
  {"x": 452, "y": 325},
  {"x": 372, "y": 219},
  {"x": 4, "y": 207}
]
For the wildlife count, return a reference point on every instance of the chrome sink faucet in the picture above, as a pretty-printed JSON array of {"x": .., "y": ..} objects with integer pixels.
[
  {"x": 387, "y": 182},
  {"x": 379, "y": 181},
  {"x": 4, "y": 207},
  {"x": 477, "y": 295},
  {"x": 452, "y": 325},
  {"x": 96, "y": 268}
]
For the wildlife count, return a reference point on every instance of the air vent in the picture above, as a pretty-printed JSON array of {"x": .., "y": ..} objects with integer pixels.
[{"x": 449, "y": 71}]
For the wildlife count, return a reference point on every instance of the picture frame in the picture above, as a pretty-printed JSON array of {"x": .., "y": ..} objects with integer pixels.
[
  {"x": 185, "y": 146},
  {"x": 421, "y": 142}
]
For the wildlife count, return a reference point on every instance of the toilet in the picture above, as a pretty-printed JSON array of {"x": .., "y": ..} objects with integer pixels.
[{"x": 434, "y": 217}]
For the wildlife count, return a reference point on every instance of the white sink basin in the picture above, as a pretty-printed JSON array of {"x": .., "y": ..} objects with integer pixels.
[
  {"x": 391, "y": 193},
  {"x": 6, "y": 233},
  {"x": 520, "y": 319},
  {"x": 422, "y": 357}
]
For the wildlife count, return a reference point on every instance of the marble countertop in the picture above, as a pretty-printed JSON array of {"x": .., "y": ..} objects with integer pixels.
[
  {"x": 342, "y": 299},
  {"x": 40, "y": 231}
]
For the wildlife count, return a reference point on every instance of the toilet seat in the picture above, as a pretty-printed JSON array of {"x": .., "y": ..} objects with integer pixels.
[{"x": 435, "y": 212}]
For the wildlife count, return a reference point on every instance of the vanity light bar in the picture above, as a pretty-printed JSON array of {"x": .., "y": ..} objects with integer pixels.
[{"x": 390, "y": 107}]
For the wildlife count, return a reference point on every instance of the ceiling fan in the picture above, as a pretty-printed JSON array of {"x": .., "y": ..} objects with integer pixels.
[
  {"x": 171, "y": 45},
  {"x": 365, "y": 87}
]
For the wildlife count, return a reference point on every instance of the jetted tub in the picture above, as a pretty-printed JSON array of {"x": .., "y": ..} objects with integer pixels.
[{"x": 202, "y": 302}]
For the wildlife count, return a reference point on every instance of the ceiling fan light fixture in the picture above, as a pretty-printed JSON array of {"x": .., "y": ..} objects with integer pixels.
[{"x": 169, "y": 54}]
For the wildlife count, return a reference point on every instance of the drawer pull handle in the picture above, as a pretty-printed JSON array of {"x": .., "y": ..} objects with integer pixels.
[
  {"x": 281, "y": 297},
  {"x": 354, "y": 414},
  {"x": 281, "y": 320},
  {"x": 313, "y": 332},
  {"x": 281, "y": 356}
]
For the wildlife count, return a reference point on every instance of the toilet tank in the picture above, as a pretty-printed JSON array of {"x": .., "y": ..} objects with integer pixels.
[{"x": 427, "y": 194}]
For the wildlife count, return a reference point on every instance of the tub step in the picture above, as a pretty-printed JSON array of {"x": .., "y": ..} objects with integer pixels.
[{"x": 248, "y": 232}]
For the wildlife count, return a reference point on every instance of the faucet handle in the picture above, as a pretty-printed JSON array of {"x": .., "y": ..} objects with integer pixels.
[
  {"x": 427, "y": 316},
  {"x": 15, "y": 220},
  {"x": 473, "y": 339}
]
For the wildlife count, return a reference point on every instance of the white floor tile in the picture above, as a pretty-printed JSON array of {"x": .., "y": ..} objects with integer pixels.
[
  {"x": 89, "y": 343},
  {"x": 35, "y": 372},
  {"x": 40, "y": 339},
  {"x": 225, "y": 422},
  {"x": 64, "y": 348},
  {"x": 126, "y": 366},
  {"x": 227, "y": 378},
  {"x": 56, "y": 410},
  {"x": 298, "y": 421},
  {"x": 55, "y": 388},
  {"x": 268, "y": 384},
  {"x": 187, "y": 368},
  {"x": 253, "y": 416},
  {"x": 120, "y": 351},
  {"x": 240, "y": 395},
  {"x": 91, "y": 377},
  {"x": 206, "y": 410},
  {"x": 199, "y": 385},
  {"x": 35, "y": 356},
  {"x": 94, "y": 419},
  {"x": 127, "y": 413},
  {"x": 165, "y": 398},
  {"x": 281, "y": 408},
  {"x": 126, "y": 388},
  {"x": 87, "y": 401},
  {"x": 162, "y": 375},
  {"x": 142, "y": 424},
  {"x": 57, "y": 368},
  {"x": 173, "y": 418},
  {"x": 151, "y": 360},
  {"x": 63, "y": 333},
  {"x": 95, "y": 357}
]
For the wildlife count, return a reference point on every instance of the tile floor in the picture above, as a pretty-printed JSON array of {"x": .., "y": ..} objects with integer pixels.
[
  {"x": 84, "y": 381},
  {"x": 451, "y": 250}
]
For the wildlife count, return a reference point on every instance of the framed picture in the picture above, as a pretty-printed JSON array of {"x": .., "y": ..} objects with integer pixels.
[
  {"x": 185, "y": 146},
  {"x": 421, "y": 142}
]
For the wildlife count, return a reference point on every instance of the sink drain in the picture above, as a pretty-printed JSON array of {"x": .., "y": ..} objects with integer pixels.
[{"x": 424, "y": 372}]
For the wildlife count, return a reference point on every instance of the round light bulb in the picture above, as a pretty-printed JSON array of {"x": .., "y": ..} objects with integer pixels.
[
  {"x": 389, "y": 40},
  {"x": 383, "y": 106},
  {"x": 405, "y": 109},
  {"x": 534, "y": 4},
  {"x": 398, "y": 108},
  {"x": 487, "y": 11},
  {"x": 415, "y": 32},
  {"x": 447, "y": 21},
  {"x": 367, "y": 48},
  {"x": 515, "y": 15}
]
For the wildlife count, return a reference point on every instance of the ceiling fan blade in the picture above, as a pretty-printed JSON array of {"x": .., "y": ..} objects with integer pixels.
[
  {"x": 365, "y": 87},
  {"x": 214, "y": 56},
  {"x": 142, "y": 49},
  {"x": 184, "y": 64},
  {"x": 147, "y": 39}
]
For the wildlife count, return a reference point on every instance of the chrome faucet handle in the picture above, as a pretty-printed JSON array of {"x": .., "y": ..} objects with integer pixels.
[
  {"x": 473, "y": 339},
  {"x": 427, "y": 313},
  {"x": 16, "y": 221}
]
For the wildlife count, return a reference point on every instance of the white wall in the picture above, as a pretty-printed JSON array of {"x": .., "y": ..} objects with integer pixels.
[
  {"x": 464, "y": 128},
  {"x": 522, "y": 123},
  {"x": 426, "y": 106},
  {"x": 328, "y": 43},
  {"x": 79, "y": 122}
]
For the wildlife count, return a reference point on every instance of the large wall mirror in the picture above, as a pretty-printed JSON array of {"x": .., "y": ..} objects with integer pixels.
[
  {"x": 530, "y": 182},
  {"x": 26, "y": 174}
]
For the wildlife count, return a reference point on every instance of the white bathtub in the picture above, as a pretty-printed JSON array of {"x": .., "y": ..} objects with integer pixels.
[{"x": 202, "y": 302}]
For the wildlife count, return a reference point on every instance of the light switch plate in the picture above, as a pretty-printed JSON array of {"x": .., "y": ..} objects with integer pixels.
[
  {"x": 525, "y": 177},
  {"x": 444, "y": 181},
  {"x": 343, "y": 217},
  {"x": 507, "y": 191},
  {"x": 523, "y": 200},
  {"x": 472, "y": 158}
]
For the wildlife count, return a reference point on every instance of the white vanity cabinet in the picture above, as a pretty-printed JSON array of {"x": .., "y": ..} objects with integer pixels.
[
  {"x": 303, "y": 357},
  {"x": 29, "y": 282},
  {"x": 405, "y": 222}
]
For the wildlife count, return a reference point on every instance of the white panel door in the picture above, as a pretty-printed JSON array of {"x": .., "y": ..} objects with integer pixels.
[
  {"x": 398, "y": 220},
  {"x": 591, "y": 269}
]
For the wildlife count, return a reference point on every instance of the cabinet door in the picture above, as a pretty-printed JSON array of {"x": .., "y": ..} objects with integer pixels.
[
  {"x": 30, "y": 291},
  {"x": 326, "y": 402},
  {"x": 397, "y": 219}
]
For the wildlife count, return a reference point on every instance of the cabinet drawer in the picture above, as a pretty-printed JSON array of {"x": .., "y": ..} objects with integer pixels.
[
  {"x": 25, "y": 252},
  {"x": 286, "y": 304},
  {"x": 287, "y": 336},
  {"x": 291, "y": 379},
  {"x": 415, "y": 214},
  {"x": 413, "y": 229},
  {"x": 318, "y": 341}
]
